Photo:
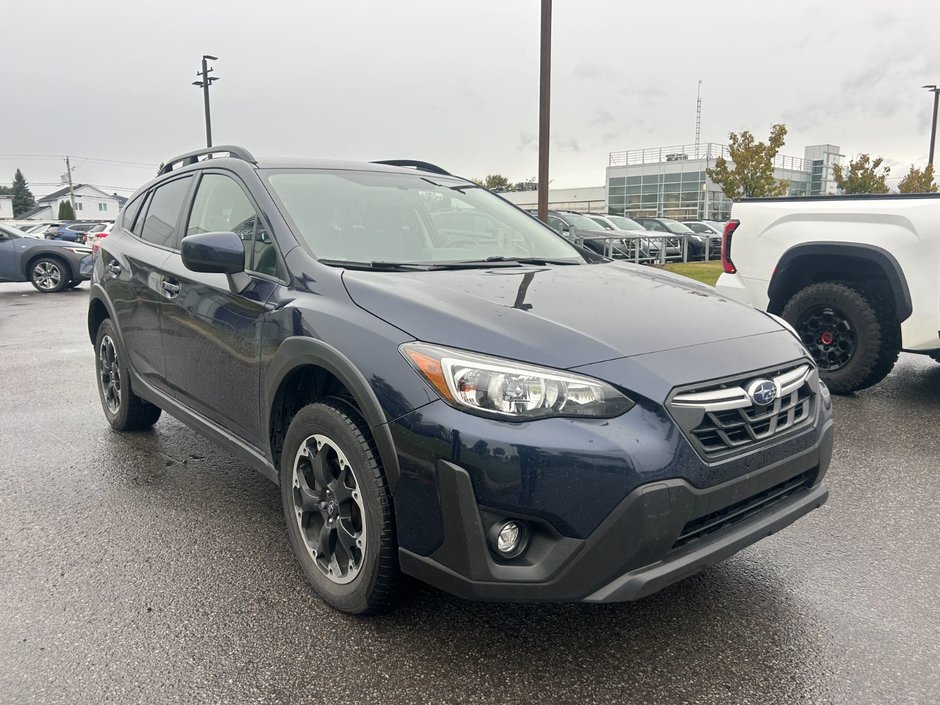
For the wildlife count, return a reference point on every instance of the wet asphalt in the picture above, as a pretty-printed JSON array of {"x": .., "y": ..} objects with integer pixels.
[{"x": 153, "y": 567}]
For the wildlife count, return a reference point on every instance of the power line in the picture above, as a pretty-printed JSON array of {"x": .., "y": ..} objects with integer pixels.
[{"x": 140, "y": 165}]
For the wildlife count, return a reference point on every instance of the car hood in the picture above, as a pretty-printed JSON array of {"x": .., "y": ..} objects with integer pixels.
[{"x": 562, "y": 316}]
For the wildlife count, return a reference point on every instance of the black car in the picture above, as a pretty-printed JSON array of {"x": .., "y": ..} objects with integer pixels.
[
  {"x": 473, "y": 401},
  {"x": 695, "y": 243},
  {"x": 48, "y": 266},
  {"x": 587, "y": 233}
]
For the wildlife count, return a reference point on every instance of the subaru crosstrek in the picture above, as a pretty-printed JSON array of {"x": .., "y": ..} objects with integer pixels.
[{"x": 473, "y": 401}]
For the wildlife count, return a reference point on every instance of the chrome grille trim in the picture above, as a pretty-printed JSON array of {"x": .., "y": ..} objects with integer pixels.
[
  {"x": 736, "y": 397},
  {"x": 721, "y": 419}
]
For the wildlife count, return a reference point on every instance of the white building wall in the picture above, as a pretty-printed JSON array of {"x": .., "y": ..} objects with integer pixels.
[
  {"x": 6, "y": 207},
  {"x": 591, "y": 199}
]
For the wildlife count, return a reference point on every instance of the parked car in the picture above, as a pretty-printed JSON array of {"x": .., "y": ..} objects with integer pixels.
[
  {"x": 649, "y": 247},
  {"x": 585, "y": 232},
  {"x": 48, "y": 266},
  {"x": 72, "y": 232},
  {"x": 507, "y": 418},
  {"x": 695, "y": 244},
  {"x": 705, "y": 227},
  {"x": 856, "y": 276},
  {"x": 95, "y": 234},
  {"x": 39, "y": 229}
]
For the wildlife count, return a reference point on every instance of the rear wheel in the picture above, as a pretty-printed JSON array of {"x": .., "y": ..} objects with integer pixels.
[
  {"x": 49, "y": 274},
  {"x": 852, "y": 334},
  {"x": 124, "y": 410},
  {"x": 338, "y": 508}
]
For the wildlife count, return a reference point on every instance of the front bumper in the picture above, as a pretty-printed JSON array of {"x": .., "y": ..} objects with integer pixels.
[{"x": 661, "y": 532}]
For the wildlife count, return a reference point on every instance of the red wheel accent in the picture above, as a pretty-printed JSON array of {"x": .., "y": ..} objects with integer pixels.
[{"x": 826, "y": 338}]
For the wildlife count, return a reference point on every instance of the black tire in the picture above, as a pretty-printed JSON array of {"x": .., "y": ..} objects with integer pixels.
[
  {"x": 852, "y": 333},
  {"x": 75, "y": 284},
  {"x": 123, "y": 409},
  {"x": 49, "y": 274},
  {"x": 331, "y": 435}
]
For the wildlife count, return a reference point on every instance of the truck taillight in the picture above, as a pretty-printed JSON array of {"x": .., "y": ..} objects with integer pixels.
[{"x": 726, "y": 262}]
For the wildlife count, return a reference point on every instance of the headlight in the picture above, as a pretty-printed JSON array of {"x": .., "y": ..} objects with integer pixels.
[{"x": 512, "y": 390}]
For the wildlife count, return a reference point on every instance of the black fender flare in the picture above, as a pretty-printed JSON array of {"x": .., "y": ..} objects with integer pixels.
[
  {"x": 97, "y": 295},
  {"x": 299, "y": 351},
  {"x": 878, "y": 256}
]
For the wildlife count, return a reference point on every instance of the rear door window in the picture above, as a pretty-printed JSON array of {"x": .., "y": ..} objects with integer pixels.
[{"x": 162, "y": 216}]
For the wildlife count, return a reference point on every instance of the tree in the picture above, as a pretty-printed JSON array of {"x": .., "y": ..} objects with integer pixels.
[
  {"x": 494, "y": 182},
  {"x": 753, "y": 172},
  {"x": 862, "y": 175},
  {"x": 65, "y": 211},
  {"x": 22, "y": 197},
  {"x": 918, "y": 181}
]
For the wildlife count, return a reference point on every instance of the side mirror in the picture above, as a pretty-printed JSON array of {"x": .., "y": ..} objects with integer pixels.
[{"x": 216, "y": 253}]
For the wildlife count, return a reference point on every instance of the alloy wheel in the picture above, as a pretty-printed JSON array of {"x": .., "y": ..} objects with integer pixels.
[
  {"x": 109, "y": 374},
  {"x": 47, "y": 275},
  {"x": 328, "y": 509},
  {"x": 829, "y": 336}
]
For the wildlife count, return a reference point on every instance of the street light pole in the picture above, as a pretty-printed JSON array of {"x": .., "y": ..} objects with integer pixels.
[
  {"x": 204, "y": 84},
  {"x": 545, "y": 85},
  {"x": 933, "y": 129}
]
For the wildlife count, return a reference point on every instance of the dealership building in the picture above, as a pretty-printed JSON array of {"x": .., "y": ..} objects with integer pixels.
[{"x": 671, "y": 182}]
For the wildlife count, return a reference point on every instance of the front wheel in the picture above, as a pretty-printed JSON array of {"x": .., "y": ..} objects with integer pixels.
[
  {"x": 853, "y": 335},
  {"x": 49, "y": 275},
  {"x": 124, "y": 410},
  {"x": 338, "y": 508}
]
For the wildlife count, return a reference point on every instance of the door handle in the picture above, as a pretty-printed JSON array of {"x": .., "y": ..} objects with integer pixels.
[
  {"x": 170, "y": 289},
  {"x": 115, "y": 268}
]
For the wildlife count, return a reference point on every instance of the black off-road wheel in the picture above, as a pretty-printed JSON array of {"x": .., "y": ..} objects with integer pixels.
[
  {"x": 123, "y": 409},
  {"x": 49, "y": 274},
  {"x": 853, "y": 334},
  {"x": 338, "y": 508}
]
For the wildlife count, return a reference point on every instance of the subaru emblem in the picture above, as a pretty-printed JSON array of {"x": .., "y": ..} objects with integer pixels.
[{"x": 762, "y": 392}]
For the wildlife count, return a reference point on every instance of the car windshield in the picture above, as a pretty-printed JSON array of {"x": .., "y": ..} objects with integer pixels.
[
  {"x": 580, "y": 222},
  {"x": 624, "y": 223},
  {"x": 674, "y": 226},
  {"x": 391, "y": 218}
]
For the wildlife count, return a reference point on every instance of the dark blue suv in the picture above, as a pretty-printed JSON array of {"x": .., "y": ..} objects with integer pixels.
[{"x": 473, "y": 400}]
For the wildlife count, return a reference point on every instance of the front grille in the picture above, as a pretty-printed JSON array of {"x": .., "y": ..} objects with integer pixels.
[
  {"x": 698, "y": 528},
  {"x": 723, "y": 419}
]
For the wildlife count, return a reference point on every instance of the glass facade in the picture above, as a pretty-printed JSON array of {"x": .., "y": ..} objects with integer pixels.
[
  {"x": 675, "y": 194},
  {"x": 670, "y": 182}
]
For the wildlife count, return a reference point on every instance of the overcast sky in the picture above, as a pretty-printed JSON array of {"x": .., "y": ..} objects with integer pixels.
[{"x": 456, "y": 83}]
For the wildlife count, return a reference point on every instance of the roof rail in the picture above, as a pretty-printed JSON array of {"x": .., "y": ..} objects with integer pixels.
[
  {"x": 420, "y": 166},
  {"x": 228, "y": 150}
]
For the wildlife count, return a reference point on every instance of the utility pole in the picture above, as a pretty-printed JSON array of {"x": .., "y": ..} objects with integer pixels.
[
  {"x": 204, "y": 84},
  {"x": 698, "y": 118},
  {"x": 933, "y": 130},
  {"x": 545, "y": 85},
  {"x": 68, "y": 171}
]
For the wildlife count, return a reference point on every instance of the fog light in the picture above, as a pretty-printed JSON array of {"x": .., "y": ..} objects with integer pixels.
[{"x": 508, "y": 539}]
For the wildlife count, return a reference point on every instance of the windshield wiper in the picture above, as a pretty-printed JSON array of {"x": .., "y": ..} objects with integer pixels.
[
  {"x": 380, "y": 266},
  {"x": 531, "y": 260}
]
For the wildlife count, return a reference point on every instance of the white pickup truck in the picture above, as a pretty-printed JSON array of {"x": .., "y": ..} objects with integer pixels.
[{"x": 858, "y": 277}]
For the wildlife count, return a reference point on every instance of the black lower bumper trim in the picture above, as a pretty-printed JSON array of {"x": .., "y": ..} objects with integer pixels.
[
  {"x": 634, "y": 551},
  {"x": 646, "y": 581}
]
